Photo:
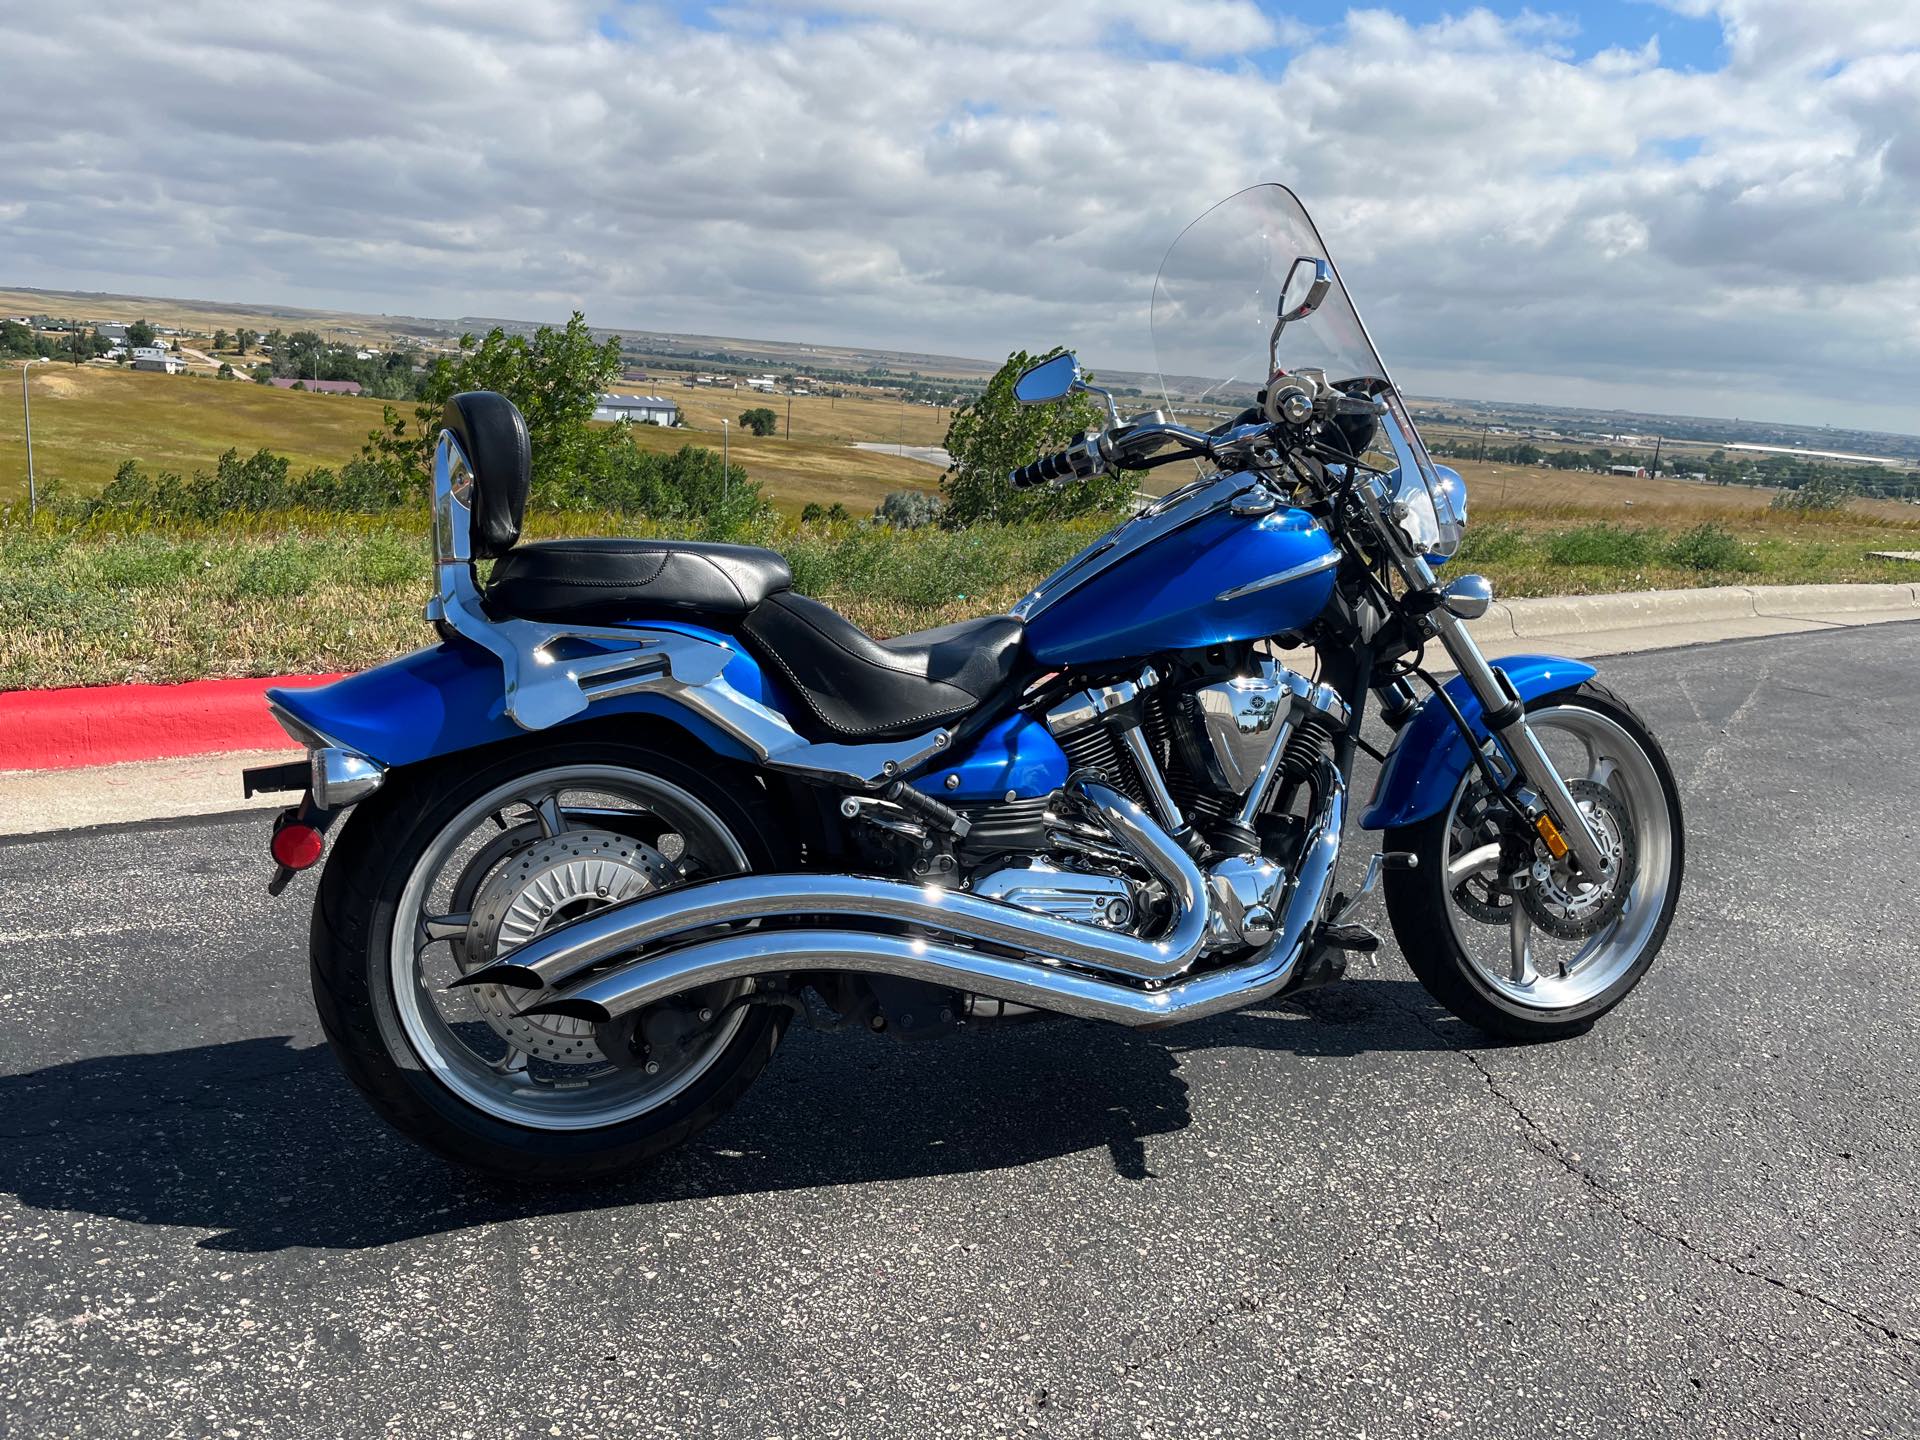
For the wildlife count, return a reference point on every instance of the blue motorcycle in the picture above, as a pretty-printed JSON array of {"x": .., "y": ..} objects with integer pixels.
[{"x": 644, "y": 806}]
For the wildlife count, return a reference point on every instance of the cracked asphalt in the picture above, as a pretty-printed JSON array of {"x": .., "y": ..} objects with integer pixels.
[{"x": 1347, "y": 1216}]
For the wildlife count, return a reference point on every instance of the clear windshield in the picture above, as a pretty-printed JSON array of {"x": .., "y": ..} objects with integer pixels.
[{"x": 1215, "y": 301}]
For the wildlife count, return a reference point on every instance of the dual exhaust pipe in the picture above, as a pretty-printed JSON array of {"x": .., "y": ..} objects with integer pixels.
[{"x": 972, "y": 944}]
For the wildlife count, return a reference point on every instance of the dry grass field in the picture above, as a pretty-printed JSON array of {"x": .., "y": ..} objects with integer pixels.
[
  {"x": 1541, "y": 491},
  {"x": 88, "y": 419},
  {"x": 845, "y": 418}
]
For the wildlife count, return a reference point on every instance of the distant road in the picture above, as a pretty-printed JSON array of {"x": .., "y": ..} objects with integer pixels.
[{"x": 925, "y": 454}]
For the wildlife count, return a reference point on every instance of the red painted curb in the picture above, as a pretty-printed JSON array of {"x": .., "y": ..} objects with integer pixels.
[{"x": 108, "y": 724}]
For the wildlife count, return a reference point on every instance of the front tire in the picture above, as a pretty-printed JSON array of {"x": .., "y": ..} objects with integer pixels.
[
  {"x": 1476, "y": 945},
  {"x": 449, "y": 865}
]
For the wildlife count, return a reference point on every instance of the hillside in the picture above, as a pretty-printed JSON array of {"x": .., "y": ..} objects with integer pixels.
[{"x": 87, "y": 420}]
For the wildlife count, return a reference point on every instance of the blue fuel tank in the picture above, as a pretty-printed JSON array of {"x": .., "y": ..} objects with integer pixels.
[{"x": 1184, "y": 574}]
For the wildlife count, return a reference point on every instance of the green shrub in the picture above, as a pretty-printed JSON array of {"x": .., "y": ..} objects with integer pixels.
[
  {"x": 389, "y": 557},
  {"x": 1709, "y": 547},
  {"x": 1602, "y": 545},
  {"x": 143, "y": 562}
]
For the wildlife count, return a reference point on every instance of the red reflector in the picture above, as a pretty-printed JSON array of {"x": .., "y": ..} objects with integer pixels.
[{"x": 296, "y": 846}]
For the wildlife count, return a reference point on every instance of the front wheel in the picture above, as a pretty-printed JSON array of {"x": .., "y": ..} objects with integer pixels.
[
  {"x": 1501, "y": 933},
  {"x": 450, "y": 868}
]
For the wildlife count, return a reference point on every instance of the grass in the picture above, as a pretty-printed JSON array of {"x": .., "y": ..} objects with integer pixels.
[
  {"x": 305, "y": 592},
  {"x": 308, "y": 592},
  {"x": 88, "y": 419}
]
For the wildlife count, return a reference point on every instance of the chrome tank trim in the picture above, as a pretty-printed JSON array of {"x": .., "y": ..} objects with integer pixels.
[
  {"x": 1329, "y": 561},
  {"x": 646, "y": 981},
  {"x": 551, "y": 959}
]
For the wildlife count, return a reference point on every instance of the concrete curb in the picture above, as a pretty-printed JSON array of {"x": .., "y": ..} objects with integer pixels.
[{"x": 1585, "y": 614}]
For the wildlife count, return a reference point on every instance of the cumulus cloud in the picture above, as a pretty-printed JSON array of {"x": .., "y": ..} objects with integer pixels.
[{"x": 1515, "y": 220}]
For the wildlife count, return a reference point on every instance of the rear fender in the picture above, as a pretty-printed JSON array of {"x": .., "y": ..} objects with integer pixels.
[
  {"x": 451, "y": 697},
  {"x": 1429, "y": 755}
]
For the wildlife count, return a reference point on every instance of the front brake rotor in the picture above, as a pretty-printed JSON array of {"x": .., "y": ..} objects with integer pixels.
[{"x": 1571, "y": 908}]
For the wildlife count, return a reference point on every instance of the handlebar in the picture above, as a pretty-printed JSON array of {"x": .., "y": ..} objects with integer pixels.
[{"x": 1077, "y": 461}]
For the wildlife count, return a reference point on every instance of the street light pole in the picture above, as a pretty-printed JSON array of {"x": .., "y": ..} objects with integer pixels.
[{"x": 26, "y": 412}]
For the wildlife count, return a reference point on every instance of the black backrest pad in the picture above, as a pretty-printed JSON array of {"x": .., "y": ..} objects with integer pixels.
[{"x": 494, "y": 436}]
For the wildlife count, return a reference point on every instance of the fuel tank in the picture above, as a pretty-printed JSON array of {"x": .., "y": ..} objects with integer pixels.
[{"x": 1185, "y": 573}]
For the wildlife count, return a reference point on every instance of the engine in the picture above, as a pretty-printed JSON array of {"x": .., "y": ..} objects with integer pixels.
[{"x": 1215, "y": 756}]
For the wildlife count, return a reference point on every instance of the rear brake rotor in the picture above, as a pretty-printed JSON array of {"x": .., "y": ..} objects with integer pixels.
[{"x": 546, "y": 885}]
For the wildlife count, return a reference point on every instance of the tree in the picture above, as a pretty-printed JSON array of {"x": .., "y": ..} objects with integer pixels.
[
  {"x": 760, "y": 421},
  {"x": 908, "y": 509},
  {"x": 139, "y": 334},
  {"x": 995, "y": 434},
  {"x": 226, "y": 371},
  {"x": 220, "y": 341},
  {"x": 16, "y": 339},
  {"x": 242, "y": 339},
  {"x": 555, "y": 379}
]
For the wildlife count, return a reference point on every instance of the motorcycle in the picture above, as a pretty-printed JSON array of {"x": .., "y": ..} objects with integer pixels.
[{"x": 644, "y": 806}]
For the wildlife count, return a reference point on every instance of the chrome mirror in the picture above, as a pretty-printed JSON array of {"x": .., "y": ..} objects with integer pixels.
[
  {"x": 1048, "y": 381},
  {"x": 1308, "y": 280}
]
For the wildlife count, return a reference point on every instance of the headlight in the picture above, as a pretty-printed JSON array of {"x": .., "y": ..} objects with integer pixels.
[{"x": 1434, "y": 522}]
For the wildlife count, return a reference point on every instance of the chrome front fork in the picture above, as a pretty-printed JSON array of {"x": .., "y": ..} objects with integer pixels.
[{"x": 1506, "y": 719}]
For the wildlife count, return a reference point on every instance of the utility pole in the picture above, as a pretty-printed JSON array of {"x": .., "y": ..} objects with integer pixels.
[
  {"x": 26, "y": 411},
  {"x": 1654, "y": 469},
  {"x": 726, "y": 474},
  {"x": 789, "y": 417}
]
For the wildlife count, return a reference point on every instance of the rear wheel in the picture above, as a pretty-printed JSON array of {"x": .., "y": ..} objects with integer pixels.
[
  {"x": 1504, "y": 935},
  {"x": 448, "y": 870}
]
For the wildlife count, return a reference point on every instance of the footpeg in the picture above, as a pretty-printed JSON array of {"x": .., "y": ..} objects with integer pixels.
[{"x": 1355, "y": 939}]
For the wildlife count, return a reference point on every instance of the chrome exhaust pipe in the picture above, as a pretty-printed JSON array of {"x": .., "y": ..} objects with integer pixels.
[
  {"x": 651, "y": 979},
  {"x": 549, "y": 960}
]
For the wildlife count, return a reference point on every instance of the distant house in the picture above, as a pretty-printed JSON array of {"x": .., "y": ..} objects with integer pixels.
[
  {"x": 157, "y": 358},
  {"x": 318, "y": 387},
  {"x": 110, "y": 330},
  {"x": 640, "y": 409},
  {"x": 1637, "y": 471}
]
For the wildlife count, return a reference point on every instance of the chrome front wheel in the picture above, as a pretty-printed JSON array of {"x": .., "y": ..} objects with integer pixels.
[{"x": 1505, "y": 934}]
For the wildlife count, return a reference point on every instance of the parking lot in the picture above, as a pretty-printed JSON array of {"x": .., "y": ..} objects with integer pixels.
[{"x": 1345, "y": 1216}]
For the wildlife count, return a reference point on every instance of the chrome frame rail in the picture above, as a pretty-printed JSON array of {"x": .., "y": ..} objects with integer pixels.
[{"x": 544, "y": 685}]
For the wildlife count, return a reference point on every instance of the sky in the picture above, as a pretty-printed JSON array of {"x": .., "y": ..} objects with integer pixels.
[{"x": 1690, "y": 206}]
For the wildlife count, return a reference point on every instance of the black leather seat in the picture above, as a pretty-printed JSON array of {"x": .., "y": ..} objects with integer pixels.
[
  {"x": 600, "y": 580},
  {"x": 859, "y": 688}
]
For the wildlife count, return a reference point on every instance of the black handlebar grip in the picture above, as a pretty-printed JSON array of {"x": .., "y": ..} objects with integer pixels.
[{"x": 1048, "y": 467}]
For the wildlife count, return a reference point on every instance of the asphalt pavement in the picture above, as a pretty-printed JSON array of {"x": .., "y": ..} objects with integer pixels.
[{"x": 1346, "y": 1216}]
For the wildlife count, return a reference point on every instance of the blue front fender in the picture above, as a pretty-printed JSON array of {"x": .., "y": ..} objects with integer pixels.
[
  {"x": 451, "y": 697},
  {"x": 1429, "y": 756}
]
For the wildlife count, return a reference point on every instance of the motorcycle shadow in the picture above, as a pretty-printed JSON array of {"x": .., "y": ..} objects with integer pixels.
[{"x": 263, "y": 1143}]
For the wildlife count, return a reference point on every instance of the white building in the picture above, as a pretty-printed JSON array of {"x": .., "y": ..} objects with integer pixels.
[
  {"x": 640, "y": 409},
  {"x": 150, "y": 357}
]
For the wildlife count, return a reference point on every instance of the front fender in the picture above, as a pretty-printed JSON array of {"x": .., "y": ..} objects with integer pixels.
[
  {"x": 1429, "y": 756},
  {"x": 451, "y": 697}
]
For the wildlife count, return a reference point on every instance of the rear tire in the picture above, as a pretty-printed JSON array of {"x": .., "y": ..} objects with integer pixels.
[
  {"x": 1430, "y": 925},
  {"x": 385, "y": 840}
]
